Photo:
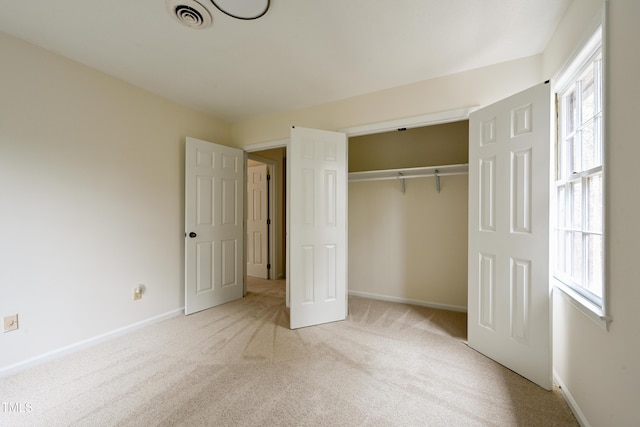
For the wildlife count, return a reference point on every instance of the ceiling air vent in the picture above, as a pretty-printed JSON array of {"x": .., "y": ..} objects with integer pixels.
[{"x": 190, "y": 13}]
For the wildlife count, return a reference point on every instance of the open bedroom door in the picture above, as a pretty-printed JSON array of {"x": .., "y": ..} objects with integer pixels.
[
  {"x": 509, "y": 293},
  {"x": 258, "y": 221},
  {"x": 317, "y": 226},
  {"x": 214, "y": 225}
]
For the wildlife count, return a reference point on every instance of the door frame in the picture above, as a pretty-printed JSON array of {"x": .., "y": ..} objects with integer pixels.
[
  {"x": 272, "y": 207},
  {"x": 431, "y": 119}
]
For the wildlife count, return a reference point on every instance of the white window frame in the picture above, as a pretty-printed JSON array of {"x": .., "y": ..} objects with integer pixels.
[{"x": 596, "y": 309}]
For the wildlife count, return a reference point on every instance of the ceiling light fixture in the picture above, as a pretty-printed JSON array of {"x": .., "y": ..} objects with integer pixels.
[{"x": 242, "y": 9}]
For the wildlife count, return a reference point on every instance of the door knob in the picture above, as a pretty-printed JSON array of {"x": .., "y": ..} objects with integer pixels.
[{"x": 192, "y": 234}]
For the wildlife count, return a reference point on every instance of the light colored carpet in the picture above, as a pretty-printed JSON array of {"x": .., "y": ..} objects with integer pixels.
[{"x": 239, "y": 364}]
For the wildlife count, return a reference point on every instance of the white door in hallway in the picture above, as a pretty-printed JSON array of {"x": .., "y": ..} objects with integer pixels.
[
  {"x": 257, "y": 226},
  {"x": 214, "y": 226},
  {"x": 509, "y": 182},
  {"x": 317, "y": 226}
]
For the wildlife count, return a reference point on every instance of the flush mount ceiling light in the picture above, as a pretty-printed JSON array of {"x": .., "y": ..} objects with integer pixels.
[
  {"x": 190, "y": 13},
  {"x": 242, "y": 9}
]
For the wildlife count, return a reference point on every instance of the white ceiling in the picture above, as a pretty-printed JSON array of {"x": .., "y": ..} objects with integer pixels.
[{"x": 301, "y": 53}]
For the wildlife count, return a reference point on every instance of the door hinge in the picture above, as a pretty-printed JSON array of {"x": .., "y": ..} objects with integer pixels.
[
  {"x": 268, "y": 221},
  {"x": 268, "y": 177},
  {"x": 268, "y": 266}
]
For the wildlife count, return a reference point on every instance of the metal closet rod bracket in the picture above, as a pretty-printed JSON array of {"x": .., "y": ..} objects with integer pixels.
[{"x": 403, "y": 185}]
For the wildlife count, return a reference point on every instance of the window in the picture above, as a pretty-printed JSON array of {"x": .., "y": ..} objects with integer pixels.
[{"x": 578, "y": 261}]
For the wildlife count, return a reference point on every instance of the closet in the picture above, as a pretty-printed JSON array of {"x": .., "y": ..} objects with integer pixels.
[{"x": 408, "y": 208}]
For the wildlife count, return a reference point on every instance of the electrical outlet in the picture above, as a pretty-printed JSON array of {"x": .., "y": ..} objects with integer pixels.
[{"x": 11, "y": 323}]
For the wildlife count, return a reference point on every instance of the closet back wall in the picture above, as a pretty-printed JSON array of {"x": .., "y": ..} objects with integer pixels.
[{"x": 410, "y": 247}]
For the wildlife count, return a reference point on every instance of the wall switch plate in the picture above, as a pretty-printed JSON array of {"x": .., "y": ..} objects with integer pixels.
[
  {"x": 137, "y": 293},
  {"x": 11, "y": 323}
]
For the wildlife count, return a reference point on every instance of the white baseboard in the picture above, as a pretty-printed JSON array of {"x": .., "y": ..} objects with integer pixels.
[
  {"x": 409, "y": 301},
  {"x": 72, "y": 348},
  {"x": 577, "y": 412}
]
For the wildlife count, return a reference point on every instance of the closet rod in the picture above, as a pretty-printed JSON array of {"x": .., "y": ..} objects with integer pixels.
[
  {"x": 426, "y": 175},
  {"x": 402, "y": 174}
]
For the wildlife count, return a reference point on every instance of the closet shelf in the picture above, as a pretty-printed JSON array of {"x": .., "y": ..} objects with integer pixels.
[{"x": 378, "y": 175}]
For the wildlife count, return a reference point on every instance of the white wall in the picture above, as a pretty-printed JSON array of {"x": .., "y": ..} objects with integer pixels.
[
  {"x": 600, "y": 369},
  {"x": 91, "y": 205},
  {"x": 410, "y": 246},
  {"x": 477, "y": 87}
]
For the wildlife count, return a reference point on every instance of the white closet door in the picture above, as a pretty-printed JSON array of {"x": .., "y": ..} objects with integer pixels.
[
  {"x": 317, "y": 226},
  {"x": 509, "y": 178}
]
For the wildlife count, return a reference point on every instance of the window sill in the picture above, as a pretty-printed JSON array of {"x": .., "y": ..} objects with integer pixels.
[{"x": 585, "y": 306}]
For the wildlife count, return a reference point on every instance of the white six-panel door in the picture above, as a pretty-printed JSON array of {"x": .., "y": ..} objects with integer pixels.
[
  {"x": 214, "y": 229},
  {"x": 508, "y": 317},
  {"x": 257, "y": 227},
  {"x": 317, "y": 203}
]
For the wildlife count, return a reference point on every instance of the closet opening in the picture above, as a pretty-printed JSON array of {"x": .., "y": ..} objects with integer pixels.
[{"x": 408, "y": 215}]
